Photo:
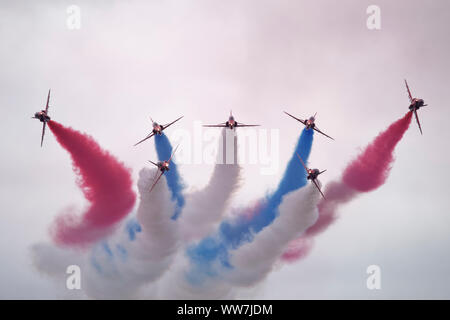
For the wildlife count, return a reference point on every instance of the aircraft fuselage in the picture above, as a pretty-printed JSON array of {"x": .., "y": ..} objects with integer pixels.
[
  {"x": 163, "y": 166},
  {"x": 310, "y": 123},
  {"x": 231, "y": 123},
  {"x": 313, "y": 174},
  {"x": 157, "y": 129},
  {"x": 42, "y": 116},
  {"x": 416, "y": 104}
]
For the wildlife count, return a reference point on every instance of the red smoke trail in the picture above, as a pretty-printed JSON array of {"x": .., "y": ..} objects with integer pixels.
[
  {"x": 366, "y": 173},
  {"x": 105, "y": 182}
]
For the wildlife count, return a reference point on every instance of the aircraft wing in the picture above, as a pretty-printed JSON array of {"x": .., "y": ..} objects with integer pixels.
[
  {"x": 156, "y": 181},
  {"x": 318, "y": 188},
  {"x": 317, "y": 129},
  {"x": 169, "y": 124},
  {"x": 43, "y": 132},
  {"x": 246, "y": 125},
  {"x": 290, "y": 115},
  {"x": 173, "y": 153},
  {"x": 153, "y": 162},
  {"x": 48, "y": 100},
  {"x": 147, "y": 137},
  {"x": 220, "y": 125},
  {"x": 301, "y": 160},
  {"x": 409, "y": 92},
  {"x": 417, "y": 119}
]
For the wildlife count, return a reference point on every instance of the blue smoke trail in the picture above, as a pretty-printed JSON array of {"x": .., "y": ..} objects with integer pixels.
[
  {"x": 132, "y": 227},
  {"x": 164, "y": 151},
  {"x": 105, "y": 247},
  {"x": 232, "y": 234}
]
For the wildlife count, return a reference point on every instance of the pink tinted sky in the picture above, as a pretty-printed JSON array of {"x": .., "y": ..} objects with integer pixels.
[{"x": 200, "y": 59}]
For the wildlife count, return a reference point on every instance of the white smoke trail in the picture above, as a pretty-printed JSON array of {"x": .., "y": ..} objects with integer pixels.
[
  {"x": 53, "y": 261},
  {"x": 146, "y": 258},
  {"x": 153, "y": 251},
  {"x": 253, "y": 261},
  {"x": 174, "y": 284},
  {"x": 151, "y": 254},
  {"x": 154, "y": 264},
  {"x": 106, "y": 273},
  {"x": 204, "y": 209}
]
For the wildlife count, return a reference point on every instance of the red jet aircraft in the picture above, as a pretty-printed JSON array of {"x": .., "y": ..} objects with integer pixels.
[
  {"x": 43, "y": 117},
  {"x": 312, "y": 174},
  {"x": 157, "y": 129},
  {"x": 309, "y": 123},
  {"x": 415, "y": 104},
  {"x": 231, "y": 123},
  {"x": 163, "y": 166}
]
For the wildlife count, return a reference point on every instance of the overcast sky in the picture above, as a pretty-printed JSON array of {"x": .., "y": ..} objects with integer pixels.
[{"x": 135, "y": 59}]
